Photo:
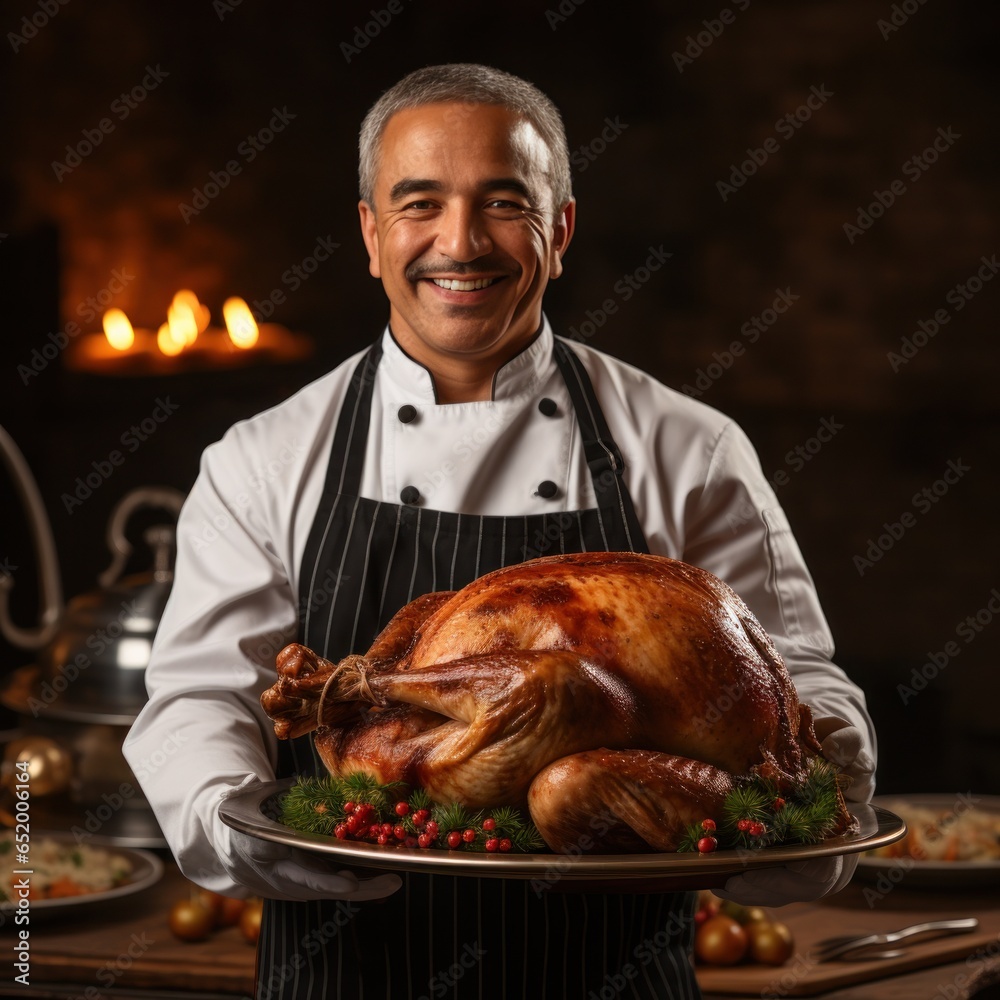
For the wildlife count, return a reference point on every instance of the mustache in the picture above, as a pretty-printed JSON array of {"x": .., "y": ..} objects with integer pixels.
[{"x": 421, "y": 268}]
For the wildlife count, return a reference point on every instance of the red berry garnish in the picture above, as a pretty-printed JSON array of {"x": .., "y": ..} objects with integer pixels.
[
  {"x": 743, "y": 825},
  {"x": 454, "y": 839},
  {"x": 387, "y": 828},
  {"x": 373, "y": 831},
  {"x": 399, "y": 832},
  {"x": 469, "y": 835},
  {"x": 756, "y": 828},
  {"x": 493, "y": 844},
  {"x": 505, "y": 844},
  {"x": 410, "y": 841},
  {"x": 707, "y": 844},
  {"x": 421, "y": 816},
  {"x": 402, "y": 808},
  {"x": 425, "y": 840},
  {"x": 778, "y": 804},
  {"x": 432, "y": 828},
  {"x": 384, "y": 838},
  {"x": 355, "y": 823},
  {"x": 708, "y": 825},
  {"x": 489, "y": 823},
  {"x": 341, "y": 832},
  {"x": 349, "y": 807},
  {"x": 365, "y": 810}
]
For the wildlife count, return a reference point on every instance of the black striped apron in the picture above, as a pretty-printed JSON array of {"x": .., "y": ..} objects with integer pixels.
[{"x": 457, "y": 936}]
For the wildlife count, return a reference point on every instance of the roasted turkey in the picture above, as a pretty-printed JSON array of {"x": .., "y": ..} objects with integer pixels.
[{"x": 630, "y": 688}]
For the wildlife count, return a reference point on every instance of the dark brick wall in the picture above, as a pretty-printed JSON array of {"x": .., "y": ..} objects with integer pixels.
[{"x": 664, "y": 138}]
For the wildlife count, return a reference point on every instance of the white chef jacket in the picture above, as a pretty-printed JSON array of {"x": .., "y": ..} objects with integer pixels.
[{"x": 697, "y": 485}]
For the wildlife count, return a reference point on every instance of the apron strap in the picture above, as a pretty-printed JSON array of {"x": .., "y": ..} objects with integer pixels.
[
  {"x": 351, "y": 436},
  {"x": 603, "y": 456}
]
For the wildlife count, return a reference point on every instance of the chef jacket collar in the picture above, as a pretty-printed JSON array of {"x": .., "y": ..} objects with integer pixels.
[{"x": 411, "y": 382}]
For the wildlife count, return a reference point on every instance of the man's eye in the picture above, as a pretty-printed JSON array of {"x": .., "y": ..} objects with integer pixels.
[
  {"x": 420, "y": 206},
  {"x": 502, "y": 203}
]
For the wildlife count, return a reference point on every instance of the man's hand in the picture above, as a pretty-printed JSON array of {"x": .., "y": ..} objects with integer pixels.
[
  {"x": 798, "y": 882},
  {"x": 844, "y": 746},
  {"x": 277, "y": 871}
]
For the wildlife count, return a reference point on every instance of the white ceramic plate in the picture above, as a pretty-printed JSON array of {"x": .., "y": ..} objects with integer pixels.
[
  {"x": 249, "y": 810},
  {"x": 933, "y": 874},
  {"x": 147, "y": 869}
]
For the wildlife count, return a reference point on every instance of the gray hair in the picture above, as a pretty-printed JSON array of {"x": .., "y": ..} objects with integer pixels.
[{"x": 469, "y": 84}]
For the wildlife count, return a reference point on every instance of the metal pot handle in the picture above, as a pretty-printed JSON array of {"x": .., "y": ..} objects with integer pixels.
[
  {"x": 120, "y": 547},
  {"x": 49, "y": 583}
]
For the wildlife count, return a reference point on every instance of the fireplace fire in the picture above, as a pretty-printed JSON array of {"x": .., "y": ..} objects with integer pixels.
[{"x": 186, "y": 341}]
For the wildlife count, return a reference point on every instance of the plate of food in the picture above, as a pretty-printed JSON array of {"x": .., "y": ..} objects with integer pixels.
[
  {"x": 952, "y": 840},
  {"x": 62, "y": 873},
  {"x": 626, "y": 712}
]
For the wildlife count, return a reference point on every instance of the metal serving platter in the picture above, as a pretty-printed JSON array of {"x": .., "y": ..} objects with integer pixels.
[{"x": 250, "y": 809}]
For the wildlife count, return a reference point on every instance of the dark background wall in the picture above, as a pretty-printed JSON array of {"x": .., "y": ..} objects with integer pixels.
[{"x": 666, "y": 106}]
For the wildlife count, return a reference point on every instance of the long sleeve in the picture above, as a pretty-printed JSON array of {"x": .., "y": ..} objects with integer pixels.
[
  {"x": 738, "y": 531},
  {"x": 231, "y": 608}
]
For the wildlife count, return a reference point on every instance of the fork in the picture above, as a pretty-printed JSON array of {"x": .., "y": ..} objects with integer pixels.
[{"x": 838, "y": 947}]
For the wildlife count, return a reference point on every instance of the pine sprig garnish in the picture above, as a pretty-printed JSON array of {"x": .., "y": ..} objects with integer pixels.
[
  {"x": 453, "y": 816},
  {"x": 693, "y": 832},
  {"x": 313, "y": 805},
  {"x": 358, "y": 807},
  {"x": 751, "y": 801},
  {"x": 758, "y": 813},
  {"x": 526, "y": 839}
]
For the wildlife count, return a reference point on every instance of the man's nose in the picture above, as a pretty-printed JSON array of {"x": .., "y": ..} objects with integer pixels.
[{"x": 462, "y": 234}]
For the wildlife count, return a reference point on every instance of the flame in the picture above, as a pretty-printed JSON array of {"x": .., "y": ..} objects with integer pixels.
[
  {"x": 186, "y": 301},
  {"x": 167, "y": 343},
  {"x": 183, "y": 323},
  {"x": 118, "y": 330},
  {"x": 240, "y": 324}
]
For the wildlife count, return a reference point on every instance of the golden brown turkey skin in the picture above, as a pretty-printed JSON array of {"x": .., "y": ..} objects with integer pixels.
[
  {"x": 624, "y": 801},
  {"x": 472, "y": 694}
]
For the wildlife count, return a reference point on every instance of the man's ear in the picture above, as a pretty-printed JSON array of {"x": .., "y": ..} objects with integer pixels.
[
  {"x": 562, "y": 232},
  {"x": 369, "y": 233}
]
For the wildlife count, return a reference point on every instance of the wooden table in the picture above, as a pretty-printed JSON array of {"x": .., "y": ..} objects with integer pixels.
[
  {"x": 939, "y": 969},
  {"x": 124, "y": 950}
]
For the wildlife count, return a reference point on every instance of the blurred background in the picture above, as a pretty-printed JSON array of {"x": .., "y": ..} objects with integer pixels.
[{"x": 823, "y": 176}]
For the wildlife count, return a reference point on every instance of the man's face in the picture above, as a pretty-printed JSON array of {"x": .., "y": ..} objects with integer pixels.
[{"x": 462, "y": 232}]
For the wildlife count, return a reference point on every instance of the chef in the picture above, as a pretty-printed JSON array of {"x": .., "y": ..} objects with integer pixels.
[{"x": 467, "y": 437}]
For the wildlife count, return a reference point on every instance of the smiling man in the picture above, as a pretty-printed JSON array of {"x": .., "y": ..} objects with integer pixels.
[
  {"x": 465, "y": 230},
  {"x": 466, "y": 438}
]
